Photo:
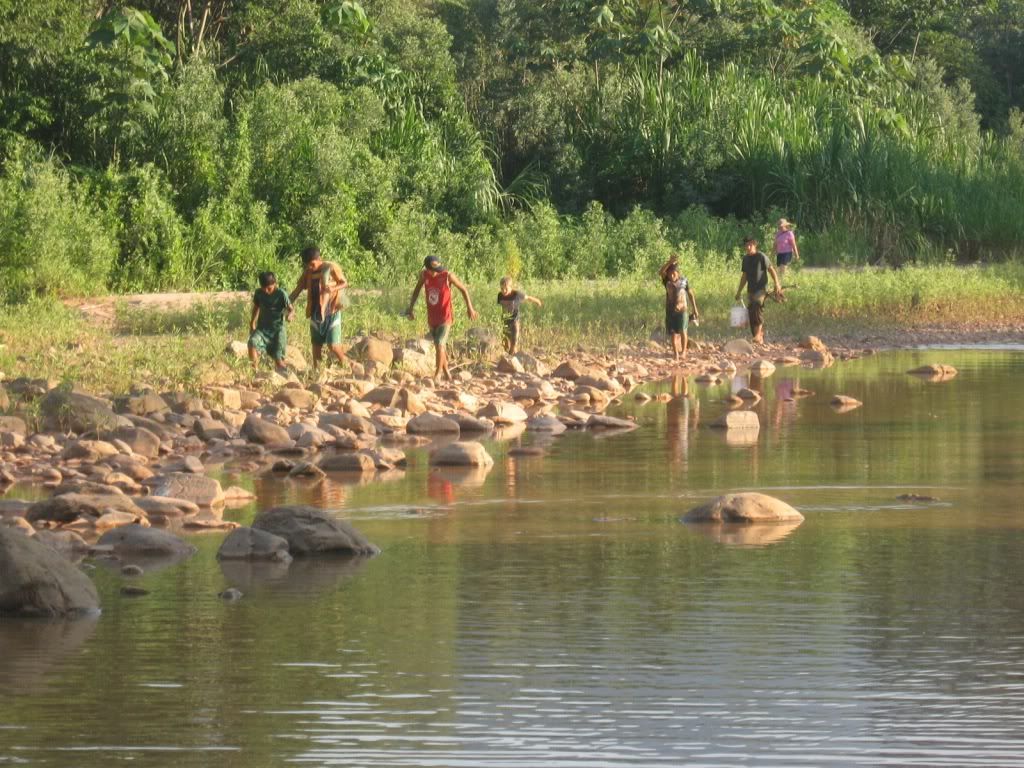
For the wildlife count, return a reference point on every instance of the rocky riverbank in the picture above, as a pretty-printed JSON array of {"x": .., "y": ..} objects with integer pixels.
[{"x": 118, "y": 470}]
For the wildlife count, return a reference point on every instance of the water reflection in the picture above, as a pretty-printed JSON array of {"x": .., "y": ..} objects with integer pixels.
[
  {"x": 33, "y": 648},
  {"x": 745, "y": 535},
  {"x": 306, "y": 577}
]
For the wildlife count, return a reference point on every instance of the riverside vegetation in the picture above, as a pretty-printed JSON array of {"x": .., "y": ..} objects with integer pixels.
[{"x": 190, "y": 145}]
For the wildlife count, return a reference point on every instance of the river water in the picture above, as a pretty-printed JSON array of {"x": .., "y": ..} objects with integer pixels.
[{"x": 555, "y": 612}]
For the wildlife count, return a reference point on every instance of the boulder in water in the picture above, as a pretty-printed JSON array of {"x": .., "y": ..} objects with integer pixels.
[
  {"x": 36, "y": 580},
  {"x": 743, "y": 508}
]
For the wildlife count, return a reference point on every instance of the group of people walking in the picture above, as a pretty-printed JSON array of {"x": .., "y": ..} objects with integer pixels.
[{"x": 324, "y": 282}]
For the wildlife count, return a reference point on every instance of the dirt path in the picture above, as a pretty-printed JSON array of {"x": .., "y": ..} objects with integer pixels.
[{"x": 103, "y": 309}]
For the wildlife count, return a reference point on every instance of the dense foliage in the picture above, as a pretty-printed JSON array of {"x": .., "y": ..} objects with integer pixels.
[{"x": 191, "y": 143}]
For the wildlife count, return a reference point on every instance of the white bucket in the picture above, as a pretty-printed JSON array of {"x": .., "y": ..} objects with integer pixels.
[{"x": 738, "y": 317}]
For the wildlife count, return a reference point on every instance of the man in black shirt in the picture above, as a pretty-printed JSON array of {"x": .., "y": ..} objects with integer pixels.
[{"x": 756, "y": 269}]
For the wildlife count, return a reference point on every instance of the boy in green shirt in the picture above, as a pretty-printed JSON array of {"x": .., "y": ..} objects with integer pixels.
[{"x": 271, "y": 307}]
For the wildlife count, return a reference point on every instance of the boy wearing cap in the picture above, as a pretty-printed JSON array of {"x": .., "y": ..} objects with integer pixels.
[
  {"x": 785, "y": 246},
  {"x": 436, "y": 283},
  {"x": 680, "y": 306},
  {"x": 756, "y": 269},
  {"x": 324, "y": 280}
]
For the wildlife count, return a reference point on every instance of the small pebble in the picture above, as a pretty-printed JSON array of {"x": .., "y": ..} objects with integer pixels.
[
  {"x": 230, "y": 594},
  {"x": 131, "y": 570}
]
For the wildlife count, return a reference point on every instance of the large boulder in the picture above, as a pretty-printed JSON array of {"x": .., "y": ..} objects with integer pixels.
[
  {"x": 140, "y": 440},
  {"x": 371, "y": 350},
  {"x": 294, "y": 397},
  {"x": 144, "y": 404},
  {"x": 311, "y": 531},
  {"x": 738, "y": 348},
  {"x": 200, "y": 490},
  {"x": 70, "y": 506},
  {"x": 254, "y": 544},
  {"x": 36, "y": 580},
  {"x": 415, "y": 362},
  {"x": 461, "y": 454},
  {"x": 257, "y": 430},
  {"x": 146, "y": 542},
  {"x": 571, "y": 370},
  {"x": 347, "y": 462},
  {"x": 90, "y": 451},
  {"x": 61, "y": 410},
  {"x": 503, "y": 413},
  {"x": 738, "y": 420},
  {"x": 743, "y": 508},
  {"x": 349, "y": 421},
  {"x": 13, "y": 424},
  {"x": 431, "y": 423}
]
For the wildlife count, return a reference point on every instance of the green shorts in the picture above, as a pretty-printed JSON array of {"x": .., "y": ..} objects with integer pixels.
[
  {"x": 676, "y": 322},
  {"x": 270, "y": 341},
  {"x": 439, "y": 333},
  {"x": 326, "y": 333}
]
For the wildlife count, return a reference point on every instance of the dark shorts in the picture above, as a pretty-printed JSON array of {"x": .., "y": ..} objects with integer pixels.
[
  {"x": 755, "y": 308},
  {"x": 326, "y": 333},
  {"x": 783, "y": 259},
  {"x": 439, "y": 333},
  {"x": 270, "y": 341},
  {"x": 676, "y": 322},
  {"x": 511, "y": 331}
]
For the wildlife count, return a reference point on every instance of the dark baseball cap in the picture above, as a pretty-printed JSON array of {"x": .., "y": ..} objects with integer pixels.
[{"x": 433, "y": 263}]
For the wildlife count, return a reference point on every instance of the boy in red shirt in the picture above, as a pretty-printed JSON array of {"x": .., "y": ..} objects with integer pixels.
[{"x": 436, "y": 282}]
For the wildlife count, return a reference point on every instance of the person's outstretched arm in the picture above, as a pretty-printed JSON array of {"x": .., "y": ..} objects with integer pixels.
[
  {"x": 415, "y": 295},
  {"x": 796, "y": 250},
  {"x": 465, "y": 295},
  {"x": 339, "y": 278},
  {"x": 534, "y": 300},
  {"x": 255, "y": 315},
  {"x": 693, "y": 301}
]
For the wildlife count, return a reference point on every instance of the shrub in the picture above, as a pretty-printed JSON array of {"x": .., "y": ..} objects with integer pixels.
[{"x": 54, "y": 241}]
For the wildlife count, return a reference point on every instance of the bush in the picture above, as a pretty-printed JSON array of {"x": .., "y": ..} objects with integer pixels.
[{"x": 54, "y": 241}]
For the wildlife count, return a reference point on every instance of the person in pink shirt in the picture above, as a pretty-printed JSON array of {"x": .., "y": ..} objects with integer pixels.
[{"x": 785, "y": 247}]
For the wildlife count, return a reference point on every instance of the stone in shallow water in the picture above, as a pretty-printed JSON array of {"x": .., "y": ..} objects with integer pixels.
[
  {"x": 748, "y": 507},
  {"x": 311, "y": 531},
  {"x": 36, "y": 580}
]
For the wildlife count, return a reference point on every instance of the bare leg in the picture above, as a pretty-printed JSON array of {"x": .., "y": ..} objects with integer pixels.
[
  {"x": 676, "y": 345},
  {"x": 440, "y": 360},
  {"x": 757, "y": 331},
  {"x": 781, "y": 269},
  {"x": 254, "y": 356},
  {"x": 339, "y": 353},
  {"x": 686, "y": 343},
  {"x": 318, "y": 352}
]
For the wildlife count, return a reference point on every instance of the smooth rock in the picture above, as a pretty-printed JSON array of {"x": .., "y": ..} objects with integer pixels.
[
  {"x": 737, "y": 420},
  {"x": 547, "y": 424},
  {"x": 254, "y": 544},
  {"x": 601, "y": 421},
  {"x": 264, "y": 432},
  {"x": 743, "y": 508},
  {"x": 311, "y": 531},
  {"x": 149, "y": 542},
  {"x": 199, "y": 489},
  {"x": 77, "y": 412},
  {"x": 347, "y": 462},
  {"x": 503, "y": 413},
  {"x": 70, "y": 506},
  {"x": 36, "y": 580},
  {"x": 738, "y": 348},
  {"x": 431, "y": 423},
  {"x": 461, "y": 454}
]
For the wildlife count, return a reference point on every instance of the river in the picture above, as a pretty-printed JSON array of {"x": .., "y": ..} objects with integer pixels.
[{"x": 555, "y": 612}]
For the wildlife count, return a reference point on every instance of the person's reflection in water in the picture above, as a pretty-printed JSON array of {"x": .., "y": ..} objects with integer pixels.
[
  {"x": 678, "y": 415},
  {"x": 440, "y": 488},
  {"x": 784, "y": 411}
]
